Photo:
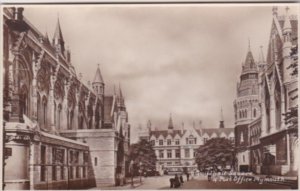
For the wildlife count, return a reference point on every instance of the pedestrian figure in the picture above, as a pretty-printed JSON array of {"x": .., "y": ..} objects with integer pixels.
[
  {"x": 181, "y": 179},
  {"x": 187, "y": 176},
  {"x": 171, "y": 182},
  {"x": 209, "y": 177},
  {"x": 176, "y": 181}
]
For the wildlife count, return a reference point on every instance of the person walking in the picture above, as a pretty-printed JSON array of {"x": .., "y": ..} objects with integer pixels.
[
  {"x": 176, "y": 181},
  {"x": 187, "y": 176},
  {"x": 181, "y": 179}
]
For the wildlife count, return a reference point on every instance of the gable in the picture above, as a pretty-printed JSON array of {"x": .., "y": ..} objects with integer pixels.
[{"x": 223, "y": 135}]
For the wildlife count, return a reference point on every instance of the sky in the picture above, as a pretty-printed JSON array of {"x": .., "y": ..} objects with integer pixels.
[{"x": 181, "y": 59}]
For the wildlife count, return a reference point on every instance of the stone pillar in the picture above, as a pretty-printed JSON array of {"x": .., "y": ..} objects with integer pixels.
[
  {"x": 288, "y": 151},
  {"x": 283, "y": 106},
  {"x": 87, "y": 100},
  {"x": 272, "y": 113},
  {"x": 93, "y": 117},
  {"x": 35, "y": 68},
  {"x": 64, "y": 111},
  {"x": 76, "y": 111},
  {"x": 32, "y": 166},
  {"x": 51, "y": 103}
]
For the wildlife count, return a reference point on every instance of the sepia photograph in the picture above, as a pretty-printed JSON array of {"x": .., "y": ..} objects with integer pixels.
[{"x": 149, "y": 96}]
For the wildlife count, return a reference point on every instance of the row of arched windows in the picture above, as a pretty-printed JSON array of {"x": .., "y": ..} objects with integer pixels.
[
  {"x": 43, "y": 118},
  {"x": 244, "y": 114}
]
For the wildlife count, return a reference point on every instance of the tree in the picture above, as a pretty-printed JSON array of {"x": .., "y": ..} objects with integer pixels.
[
  {"x": 142, "y": 153},
  {"x": 294, "y": 58},
  {"x": 291, "y": 117},
  {"x": 216, "y": 152}
]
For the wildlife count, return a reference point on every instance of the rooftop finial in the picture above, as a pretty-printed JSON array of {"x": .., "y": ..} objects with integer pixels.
[
  {"x": 249, "y": 44},
  {"x": 170, "y": 122},
  {"x": 261, "y": 55},
  {"x": 287, "y": 9},
  {"x": 275, "y": 9},
  {"x": 222, "y": 119}
]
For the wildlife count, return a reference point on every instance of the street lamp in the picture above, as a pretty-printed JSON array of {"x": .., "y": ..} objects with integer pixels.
[
  {"x": 140, "y": 170},
  {"x": 131, "y": 172}
]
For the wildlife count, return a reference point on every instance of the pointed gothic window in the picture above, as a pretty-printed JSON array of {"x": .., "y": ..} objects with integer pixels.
[
  {"x": 58, "y": 116},
  {"x": 242, "y": 137},
  {"x": 44, "y": 103},
  {"x": 254, "y": 113}
]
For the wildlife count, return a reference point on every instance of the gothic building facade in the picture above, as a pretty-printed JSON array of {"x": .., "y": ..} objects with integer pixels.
[
  {"x": 175, "y": 148},
  {"x": 279, "y": 95},
  {"x": 58, "y": 132},
  {"x": 270, "y": 139}
]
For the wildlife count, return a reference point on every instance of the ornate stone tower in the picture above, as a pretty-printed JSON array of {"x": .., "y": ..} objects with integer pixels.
[
  {"x": 246, "y": 108},
  {"x": 246, "y": 104}
]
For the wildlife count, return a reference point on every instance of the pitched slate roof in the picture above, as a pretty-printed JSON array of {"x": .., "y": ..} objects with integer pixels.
[
  {"x": 165, "y": 133},
  {"x": 208, "y": 131},
  {"x": 218, "y": 131}
]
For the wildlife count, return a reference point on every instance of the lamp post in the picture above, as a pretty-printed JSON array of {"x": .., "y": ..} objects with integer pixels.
[
  {"x": 131, "y": 172},
  {"x": 140, "y": 170}
]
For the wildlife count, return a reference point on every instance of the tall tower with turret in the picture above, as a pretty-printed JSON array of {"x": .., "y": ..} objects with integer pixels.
[{"x": 246, "y": 107}]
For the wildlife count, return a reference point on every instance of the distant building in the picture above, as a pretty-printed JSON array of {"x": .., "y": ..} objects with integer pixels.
[
  {"x": 59, "y": 133},
  {"x": 175, "y": 148}
]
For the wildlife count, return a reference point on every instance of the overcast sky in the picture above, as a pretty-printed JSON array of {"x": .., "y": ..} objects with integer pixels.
[{"x": 179, "y": 59}]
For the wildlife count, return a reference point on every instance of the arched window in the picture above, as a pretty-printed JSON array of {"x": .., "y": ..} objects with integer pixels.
[
  {"x": 68, "y": 117},
  {"x": 277, "y": 96},
  {"x": 44, "y": 110},
  {"x": 24, "y": 107},
  {"x": 240, "y": 114},
  {"x": 81, "y": 122},
  {"x": 246, "y": 113},
  {"x": 254, "y": 113},
  {"x": 58, "y": 116},
  {"x": 71, "y": 119}
]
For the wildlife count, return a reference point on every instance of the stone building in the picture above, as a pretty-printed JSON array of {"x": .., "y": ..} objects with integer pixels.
[
  {"x": 279, "y": 94},
  {"x": 175, "y": 148},
  {"x": 270, "y": 142},
  {"x": 246, "y": 108},
  {"x": 59, "y": 133}
]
